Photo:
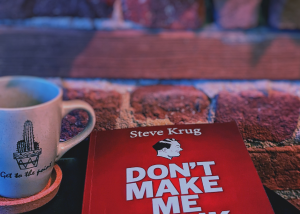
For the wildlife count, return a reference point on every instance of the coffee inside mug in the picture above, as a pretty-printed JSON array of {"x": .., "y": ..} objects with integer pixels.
[{"x": 18, "y": 92}]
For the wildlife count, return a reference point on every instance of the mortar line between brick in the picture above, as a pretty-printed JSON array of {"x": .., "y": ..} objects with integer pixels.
[
  {"x": 212, "y": 110},
  {"x": 288, "y": 194},
  {"x": 126, "y": 119}
]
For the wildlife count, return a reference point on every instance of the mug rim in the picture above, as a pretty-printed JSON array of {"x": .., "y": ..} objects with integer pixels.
[{"x": 58, "y": 96}]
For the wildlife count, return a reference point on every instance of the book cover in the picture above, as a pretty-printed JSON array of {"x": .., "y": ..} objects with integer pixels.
[{"x": 201, "y": 168}]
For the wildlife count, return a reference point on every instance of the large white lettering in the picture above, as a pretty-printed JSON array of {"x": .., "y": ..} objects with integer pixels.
[
  {"x": 223, "y": 212},
  {"x": 130, "y": 171},
  {"x": 206, "y": 166},
  {"x": 207, "y": 184},
  {"x": 132, "y": 189},
  {"x": 185, "y": 171},
  {"x": 164, "y": 171},
  {"x": 186, "y": 203},
  {"x": 158, "y": 204},
  {"x": 185, "y": 186},
  {"x": 170, "y": 188}
]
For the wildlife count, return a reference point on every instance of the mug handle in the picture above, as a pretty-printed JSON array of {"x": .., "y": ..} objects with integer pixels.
[{"x": 68, "y": 106}]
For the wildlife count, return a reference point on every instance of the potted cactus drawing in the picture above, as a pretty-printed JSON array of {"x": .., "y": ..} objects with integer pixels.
[{"x": 28, "y": 151}]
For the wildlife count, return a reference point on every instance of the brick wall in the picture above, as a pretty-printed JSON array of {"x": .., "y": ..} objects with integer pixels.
[
  {"x": 166, "y": 14},
  {"x": 267, "y": 114}
]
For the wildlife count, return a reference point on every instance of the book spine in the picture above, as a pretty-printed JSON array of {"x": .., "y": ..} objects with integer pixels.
[{"x": 89, "y": 174}]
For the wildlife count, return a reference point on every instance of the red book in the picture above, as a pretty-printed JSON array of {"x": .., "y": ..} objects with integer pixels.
[{"x": 201, "y": 168}]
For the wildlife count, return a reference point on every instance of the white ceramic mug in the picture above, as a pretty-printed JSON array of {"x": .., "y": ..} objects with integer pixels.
[{"x": 31, "y": 111}]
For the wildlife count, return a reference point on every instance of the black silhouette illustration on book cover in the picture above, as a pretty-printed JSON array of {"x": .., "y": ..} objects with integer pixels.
[
  {"x": 168, "y": 148},
  {"x": 28, "y": 151}
]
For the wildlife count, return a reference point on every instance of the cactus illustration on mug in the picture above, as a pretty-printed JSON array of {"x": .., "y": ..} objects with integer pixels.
[{"x": 28, "y": 151}]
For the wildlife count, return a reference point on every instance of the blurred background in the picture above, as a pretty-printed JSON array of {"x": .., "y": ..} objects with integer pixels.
[{"x": 157, "y": 39}]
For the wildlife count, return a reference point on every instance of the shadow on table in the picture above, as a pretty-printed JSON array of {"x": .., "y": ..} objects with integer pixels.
[{"x": 70, "y": 194}]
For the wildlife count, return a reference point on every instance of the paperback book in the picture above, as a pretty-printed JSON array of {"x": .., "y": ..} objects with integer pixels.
[{"x": 200, "y": 168}]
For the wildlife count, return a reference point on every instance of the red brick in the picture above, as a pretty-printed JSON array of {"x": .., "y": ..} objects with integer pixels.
[
  {"x": 279, "y": 167},
  {"x": 237, "y": 13},
  {"x": 285, "y": 14},
  {"x": 271, "y": 117},
  {"x": 170, "y": 14},
  {"x": 106, "y": 106},
  {"x": 181, "y": 104}
]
